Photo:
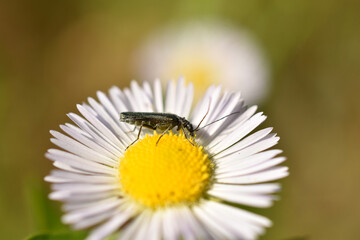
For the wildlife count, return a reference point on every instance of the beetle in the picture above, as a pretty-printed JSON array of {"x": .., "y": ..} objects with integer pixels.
[
  {"x": 164, "y": 122},
  {"x": 157, "y": 121}
]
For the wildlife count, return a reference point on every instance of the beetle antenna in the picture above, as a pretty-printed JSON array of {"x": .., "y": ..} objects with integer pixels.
[
  {"x": 204, "y": 116},
  {"x": 197, "y": 129}
]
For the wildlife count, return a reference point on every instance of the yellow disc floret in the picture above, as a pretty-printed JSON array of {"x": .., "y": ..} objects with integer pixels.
[{"x": 170, "y": 172}]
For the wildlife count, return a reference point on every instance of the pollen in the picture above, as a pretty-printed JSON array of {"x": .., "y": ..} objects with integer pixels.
[{"x": 170, "y": 172}]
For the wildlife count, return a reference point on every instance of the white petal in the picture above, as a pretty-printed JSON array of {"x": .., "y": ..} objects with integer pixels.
[
  {"x": 77, "y": 200},
  {"x": 103, "y": 130},
  {"x": 133, "y": 105},
  {"x": 216, "y": 108},
  {"x": 110, "y": 226},
  {"x": 265, "y": 176},
  {"x": 148, "y": 91},
  {"x": 253, "y": 138},
  {"x": 212, "y": 102},
  {"x": 110, "y": 108},
  {"x": 78, "y": 162},
  {"x": 82, "y": 197},
  {"x": 155, "y": 226},
  {"x": 183, "y": 98},
  {"x": 189, "y": 226},
  {"x": 233, "y": 125},
  {"x": 107, "y": 205},
  {"x": 143, "y": 231},
  {"x": 239, "y": 133},
  {"x": 131, "y": 229},
  {"x": 212, "y": 116},
  {"x": 238, "y": 120},
  {"x": 67, "y": 167},
  {"x": 170, "y": 98},
  {"x": 266, "y": 188},
  {"x": 141, "y": 98},
  {"x": 179, "y": 96},
  {"x": 59, "y": 176},
  {"x": 242, "y": 224},
  {"x": 159, "y": 104},
  {"x": 84, "y": 188},
  {"x": 119, "y": 100},
  {"x": 170, "y": 229},
  {"x": 242, "y": 170},
  {"x": 202, "y": 106},
  {"x": 97, "y": 135},
  {"x": 211, "y": 97},
  {"x": 227, "y": 164},
  {"x": 239, "y": 213},
  {"x": 227, "y": 107},
  {"x": 59, "y": 195},
  {"x": 260, "y": 146},
  {"x": 80, "y": 150},
  {"x": 251, "y": 195},
  {"x": 93, "y": 220},
  {"x": 235, "y": 227},
  {"x": 253, "y": 200},
  {"x": 188, "y": 100},
  {"x": 214, "y": 225},
  {"x": 269, "y": 141},
  {"x": 114, "y": 125},
  {"x": 86, "y": 139}
]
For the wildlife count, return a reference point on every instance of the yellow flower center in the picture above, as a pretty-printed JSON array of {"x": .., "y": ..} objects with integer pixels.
[{"x": 171, "y": 172}]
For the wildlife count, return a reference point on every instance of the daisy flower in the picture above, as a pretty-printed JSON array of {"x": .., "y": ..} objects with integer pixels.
[
  {"x": 206, "y": 53},
  {"x": 175, "y": 188}
]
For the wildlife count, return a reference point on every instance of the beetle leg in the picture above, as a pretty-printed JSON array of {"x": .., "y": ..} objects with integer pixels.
[
  {"x": 162, "y": 134},
  {"x": 138, "y": 136},
  {"x": 132, "y": 130},
  {"x": 187, "y": 136}
]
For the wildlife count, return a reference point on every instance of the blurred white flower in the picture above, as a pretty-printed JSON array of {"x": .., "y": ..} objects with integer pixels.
[{"x": 206, "y": 53}]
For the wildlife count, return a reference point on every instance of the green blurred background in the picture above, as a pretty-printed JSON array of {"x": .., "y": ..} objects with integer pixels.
[{"x": 54, "y": 54}]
